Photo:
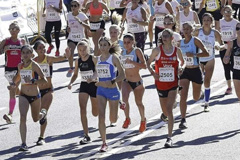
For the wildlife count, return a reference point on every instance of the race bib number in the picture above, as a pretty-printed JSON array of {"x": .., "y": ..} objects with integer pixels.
[
  {"x": 26, "y": 74},
  {"x": 52, "y": 15},
  {"x": 133, "y": 27},
  {"x": 209, "y": 47},
  {"x": 227, "y": 34},
  {"x": 95, "y": 26},
  {"x": 160, "y": 20},
  {"x": 76, "y": 36},
  {"x": 117, "y": 3},
  {"x": 103, "y": 71},
  {"x": 197, "y": 3},
  {"x": 9, "y": 75},
  {"x": 14, "y": 52},
  {"x": 46, "y": 70},
  {"x": 123, "y": 60},
  {"x": 212, "y": 4},
  {"x": 236, "y": 63},
  {"x": 85, "y": 75},
  {"x": 188, "y": 60},
  {"x": 166, "y": 74}
]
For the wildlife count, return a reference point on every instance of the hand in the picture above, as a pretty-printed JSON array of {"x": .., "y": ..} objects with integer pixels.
[
  {"x": 128, "y": 61},
  {"x": 68, "y": 29},
  {"x": 27, "y": 80},
  {"x": 11, "y": 86},
  {"x": 6, "y": 48},
  {"x": 134, "y": 20},
  {"x": 70, "y": 86},
  {"x": 156, "y": 76},
  {"x": 77, "y": 18},
  {"x": 226, "y": 59},
  {"x": 68, "y": 52},
  {"x": 189, "y": 54},
  {"x": 89, "y": 80},
  {"x": 180, "y": 70},
  {"x": 217, "y": 47},
  {"x": 43, "y": 15},
  {"x": 152, "y": 18},
  {"x": 51, "y": 6}
]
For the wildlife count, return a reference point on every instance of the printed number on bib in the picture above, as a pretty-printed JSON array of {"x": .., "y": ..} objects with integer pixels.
[
  {"x": 85, "y": 75},
  {"x": 9, "y": 75},
  {"x": 26, "y": 74},
  {"x": 166, "y": 74},
  {"x": 123, "y": 60},
  {"x": 211, "y": 4},
  {"x": 197, "y": 3},
  {"x": 236, "y": 63},
  {"x": 45, "y": 68},
  {"x": 117, "y": 3},
  {"x": 103, "y": 71},
  {"x": 95, "y": 26},
  {"x": 227, "y": 34},
  {"x": 160, "y": 20},
  {"x": 133, "y": 27},
  {"x": 52, "y": 15},
  {"x": 188, "y": 60}
]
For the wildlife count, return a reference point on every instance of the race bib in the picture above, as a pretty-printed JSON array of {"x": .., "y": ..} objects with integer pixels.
[
  {"x": 24, "y": 74},
  {"x": 189, "y": 60},
  {"x": 14, "y": 52},
  {"x": 46, "y": 70},
  {"x": 160, "y": 20},
  {"x": 9, "y": 75},
  {"x": 227, "y": 34},
  {"x": 117, "y": 3},
  {"x": 212, "y": 4},
  {"x": 197, "y": 3},
  {"x": 166, "y": 74},
  {"x": 236, "y": 62},
  {"x": 133, "y": 27},
  {"x": 209, "y": 48},
  {"x": 95, "y": 26},
  {"x": 85, "y": 75},
  {"x": 123, "y": 60},
  {"x": 52, "y": 15},
  {"x": 103, "y": 71},
  {"x": 76, "y": 36}
]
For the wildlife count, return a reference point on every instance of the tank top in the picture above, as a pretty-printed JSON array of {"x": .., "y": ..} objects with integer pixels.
[
  {"x": 212, "y": 5},
  {"x": 209, "y": 42},
  {"x": 228, "y": 29},
  {"x": 105, "y": 69},
  {"x": 162, "y": 10},
  {"x": 136, "y": 14},
  {"x": 236, "y": 55},
  {"x": 51, "y": 14},
  {"x": 189, "y": 47},
  {"x": 183, "y": 18},
  {"x": 132, "y": 56},
  {"x": 46, "y": 68},
  {"x": 27, "y": 72},
  {"x": 13, "y": 54},
  {"x": 95, "y": 11},
  {"x": 236, "y": 1},
  {"x": 86, "y": 68},
  {"x": 197, "y": 3},
  {"x": 77, "y": 31},
  {"x": 167, "y": 68},
  {"x": 115, "y": 4}
]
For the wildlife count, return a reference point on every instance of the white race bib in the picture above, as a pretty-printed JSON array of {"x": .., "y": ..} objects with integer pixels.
[
  {"x": 103, "y": 70},
  {"x": 25, "y": 73},
  {"x": 117, "y": 3},
  {"x": 95, "y": 26},
  {"x": 227, "y": 34},
  {"x": 197, "y": 3},
  {"x": 123, "y": 60},
  {"x": 133, "y": 27},
  {"x": 85, "y": 75},
  {"x": 52, "y": 15},
  {"x": 9, "y": 75},
  {"x": 188, "y": 60},
  {"x": 166, "y": 74},
  {"x": 160, "y": 20},
  {"x": 236, "y": 62},
  {"x": 46, "y": 70},
  {"x": 212, "y": 5}
]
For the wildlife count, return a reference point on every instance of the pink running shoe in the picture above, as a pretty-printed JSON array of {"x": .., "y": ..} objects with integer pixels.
[
  {"x": 50, "y": 49},
  {"x": 104, "y": 148}
]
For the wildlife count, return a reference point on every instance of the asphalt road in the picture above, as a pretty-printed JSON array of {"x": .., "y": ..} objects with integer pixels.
[{"x": 213, "y": 135}]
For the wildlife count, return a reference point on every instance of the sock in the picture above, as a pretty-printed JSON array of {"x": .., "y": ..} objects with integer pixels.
[
  {"x": 12, "y": 103},
  {"x": 207, "y": 94}
]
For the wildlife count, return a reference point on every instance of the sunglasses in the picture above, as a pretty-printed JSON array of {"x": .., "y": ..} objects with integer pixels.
[
  {"x": 167, "y": 23},
  {"x": 227, "y": 11},
  {"x": 13, "y": 29},
  {"x": 237, "y": 28},
  {"x": 185, "y": 4},
  {"x": 74, "y": 6}
]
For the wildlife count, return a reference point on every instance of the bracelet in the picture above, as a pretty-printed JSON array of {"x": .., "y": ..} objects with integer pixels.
[
  {"x": 113, "y": 81},
  {"x": 33, "y": 80}
]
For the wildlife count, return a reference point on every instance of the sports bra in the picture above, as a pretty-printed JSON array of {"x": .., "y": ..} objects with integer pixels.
[{"x": 96, "y": 11}]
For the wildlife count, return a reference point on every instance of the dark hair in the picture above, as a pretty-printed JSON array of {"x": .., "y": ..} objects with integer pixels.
[
  {"x": 76, "y": 2},
  {"x": 140, "y": 2},
  {"x": 84, "y": 42},
  {"x": 130, "y": 36},
  {"x": 115, "y": 48},
  {"x": 36, "y": 44},
  {"x": 27, "y": 47},
  {"x": 208, "y": 15},
  {"x": 171, "y": 17}
]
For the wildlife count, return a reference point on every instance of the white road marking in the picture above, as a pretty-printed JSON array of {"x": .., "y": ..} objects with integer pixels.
[{"x": 121, "y": 136}]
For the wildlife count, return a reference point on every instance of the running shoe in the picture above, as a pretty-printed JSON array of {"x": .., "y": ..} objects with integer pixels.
[
  {"x": 126, "y": 123},
  {"x": 44, "y": 117},
  {"x": 142, "y": 127},
  {"x": 57, "y": 53},
  {"x": 85, "y": 140},
  {"x": 23, "y": 147},
  {"x": 206, "y": 107},
  {"x": 50, "y": 49},
  {"x": 183, "y": 124},
  {"x": 163, "y": 118},
  {"x": 113, "y": 124},
  {"x": 41, "y": 141},
  {"x": 168, "y": 143},
  {"x": 8, "y": 118},
  {"x": 69, "y": 73},
  {"x": 104, "y": 148},
  {"x": 122, "y": 105},
  {"x": 228, "y": 91}
]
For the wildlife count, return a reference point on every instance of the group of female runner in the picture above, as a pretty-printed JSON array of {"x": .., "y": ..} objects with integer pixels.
[{"x": 116, "y": 63}]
